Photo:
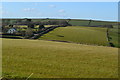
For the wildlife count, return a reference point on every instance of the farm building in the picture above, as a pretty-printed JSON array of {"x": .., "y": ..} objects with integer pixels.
[{"x": 12, "y": 30}]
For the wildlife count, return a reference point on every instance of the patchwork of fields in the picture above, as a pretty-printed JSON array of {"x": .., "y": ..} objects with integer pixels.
[
  {"x": 48, "y": 59},
  {"x": 87, "y": 55},
  {"x": 80, "y": 22}
]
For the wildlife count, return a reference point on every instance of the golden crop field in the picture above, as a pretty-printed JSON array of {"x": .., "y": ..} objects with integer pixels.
[{"x": 48, "y": 59}]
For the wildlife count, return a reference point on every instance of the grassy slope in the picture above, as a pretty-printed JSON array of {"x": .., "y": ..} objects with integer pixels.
[
  {"x": 77, "y": 34},
  {"x": 114, "y": 34},
  {"x": 47, "y": 59}
]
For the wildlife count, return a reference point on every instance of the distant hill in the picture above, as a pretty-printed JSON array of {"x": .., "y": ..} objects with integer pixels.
[{"x": 74, "y": 22}]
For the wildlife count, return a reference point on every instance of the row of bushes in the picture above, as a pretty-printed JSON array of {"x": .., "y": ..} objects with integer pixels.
[
  {"x": 43, "y": 31},
  {"x": 109, "y": 38}
]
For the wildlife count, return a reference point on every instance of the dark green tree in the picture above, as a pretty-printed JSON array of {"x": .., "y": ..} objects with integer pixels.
[
  {"x": 10, "y": 26},
  {"x": 89, "y": 22},
  {"x": 68, "y": 20},
  {"x": 41, "y": 27},
  {"x": 30, "y": 25}
]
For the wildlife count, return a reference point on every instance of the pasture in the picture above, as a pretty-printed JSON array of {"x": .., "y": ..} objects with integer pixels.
[
  {"x": 114, "y": 34},
  {"x": 48, "y": 59},
  {"x": 79, "y": 34}
]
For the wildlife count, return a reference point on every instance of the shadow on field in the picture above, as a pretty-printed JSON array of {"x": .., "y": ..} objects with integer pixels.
[
  {"x": 59, "y": 35},
  {"x": 10, "y": 37}
]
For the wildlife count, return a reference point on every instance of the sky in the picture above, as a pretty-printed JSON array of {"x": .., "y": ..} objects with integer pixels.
[{"x": 106, "y": 11}]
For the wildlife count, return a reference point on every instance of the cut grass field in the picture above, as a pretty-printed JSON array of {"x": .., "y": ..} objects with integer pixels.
[
  {"x": 79, "y": 34},
  {"x": 48, "y": 59}
]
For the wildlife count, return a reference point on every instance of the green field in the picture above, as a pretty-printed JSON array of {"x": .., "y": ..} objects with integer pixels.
[
  {"x": 79, "y": 34},
  {"x": 80, "y": 22},
  {"x": 47, "y": 59},
  {"x": 114, "y": 36}
]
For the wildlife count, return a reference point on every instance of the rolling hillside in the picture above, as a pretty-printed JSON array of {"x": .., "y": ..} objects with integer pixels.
[
  {"x": 93, "y": 23},
  {"x": 79, "y": 34},
  {"x": 81, "y": 22},
  {"x": 48, "y": 59},
  {"x": 74, "y": 22}
]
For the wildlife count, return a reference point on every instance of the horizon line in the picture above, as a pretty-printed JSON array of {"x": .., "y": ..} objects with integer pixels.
[{"x": 60, "y": 18}]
